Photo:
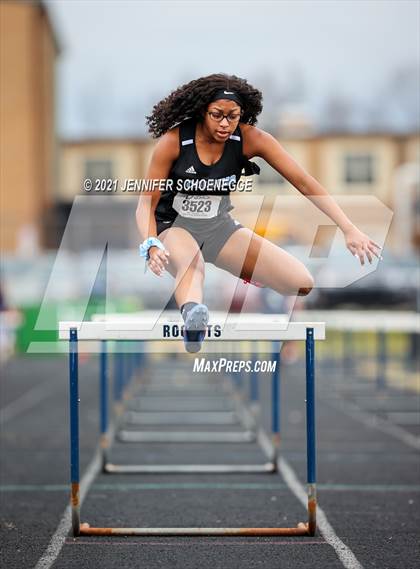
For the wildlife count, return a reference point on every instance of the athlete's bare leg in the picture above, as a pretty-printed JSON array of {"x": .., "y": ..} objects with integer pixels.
[
  {"x": 250, "y": 256},
  {"x": 186, "y": 264}
]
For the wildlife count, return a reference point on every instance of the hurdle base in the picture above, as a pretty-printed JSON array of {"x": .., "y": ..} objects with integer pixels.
[
  {"x": 185, "y": 437},
  {"x": 195, "y": 418},
  {"x": 300, "y": 530},
  {"x": 268, "y": 467}
]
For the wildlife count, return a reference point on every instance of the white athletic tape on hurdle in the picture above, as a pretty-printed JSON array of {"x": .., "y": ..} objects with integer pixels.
[{"x": 344, "y": 553}]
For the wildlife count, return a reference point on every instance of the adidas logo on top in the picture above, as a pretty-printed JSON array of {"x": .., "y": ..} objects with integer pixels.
[{"x": 191, "y": 170}]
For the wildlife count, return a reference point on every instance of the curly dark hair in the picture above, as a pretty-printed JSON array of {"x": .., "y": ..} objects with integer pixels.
[{"x": 191, "y": 100}]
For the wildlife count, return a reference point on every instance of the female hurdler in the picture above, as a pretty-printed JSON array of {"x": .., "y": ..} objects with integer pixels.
[{"x": 206, "y": 140}]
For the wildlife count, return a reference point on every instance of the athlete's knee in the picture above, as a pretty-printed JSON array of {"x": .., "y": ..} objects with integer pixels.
[
  {"x": 198, "y": 267},
  {"x": 195, "y": 264},
  {"x": 306, "y": 285}
]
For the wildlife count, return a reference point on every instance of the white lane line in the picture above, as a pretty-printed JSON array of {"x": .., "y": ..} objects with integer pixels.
[
  {"x": 58, "y": 539},
  {"x": 374, "y": 422},
  {"x": 344, "y": 553},
  {"x": 29, "y": 399}
]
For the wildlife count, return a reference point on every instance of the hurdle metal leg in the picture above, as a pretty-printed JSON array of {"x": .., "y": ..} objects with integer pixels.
[
  {"x": 103, "y": 398},
  {"x": 275, "y": 403},
  {"x": 254, "y": 389},
  {"x": 74, "y": 432},
  {"x": 310, "y": 429},
  {"x": 117, "y": 382}
]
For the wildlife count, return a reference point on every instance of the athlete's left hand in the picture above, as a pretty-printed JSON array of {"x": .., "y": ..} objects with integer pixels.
[{"x": 359, "y": 244}]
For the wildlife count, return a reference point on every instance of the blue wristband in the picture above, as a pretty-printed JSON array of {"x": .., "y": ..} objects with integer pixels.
[{"x": 147, "y": 243}]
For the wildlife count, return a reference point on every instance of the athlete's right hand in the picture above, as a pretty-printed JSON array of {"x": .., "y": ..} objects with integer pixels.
[{"x": 158, "y": 259}]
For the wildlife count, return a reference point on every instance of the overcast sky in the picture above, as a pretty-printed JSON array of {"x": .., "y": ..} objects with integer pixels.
[{"x": 120, "y": 57}]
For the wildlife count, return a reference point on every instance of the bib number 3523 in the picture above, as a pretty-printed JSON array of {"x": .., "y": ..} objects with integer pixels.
[{"x": 198, "y": 207}]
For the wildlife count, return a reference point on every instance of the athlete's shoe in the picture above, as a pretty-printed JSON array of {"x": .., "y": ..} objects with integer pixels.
[{"x": 195, "y": 327}]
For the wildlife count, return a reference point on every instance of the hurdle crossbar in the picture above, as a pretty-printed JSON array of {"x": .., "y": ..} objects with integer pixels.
[{"x": 172, "y": 329}]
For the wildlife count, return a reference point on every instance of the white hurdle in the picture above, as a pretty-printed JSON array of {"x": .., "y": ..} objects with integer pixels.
[
  {"x": 378, "y": 322},
  {"x": 170, "y": 328}
]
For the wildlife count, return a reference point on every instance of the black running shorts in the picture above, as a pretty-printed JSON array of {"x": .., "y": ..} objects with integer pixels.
[{"x": 210, "y": 234}]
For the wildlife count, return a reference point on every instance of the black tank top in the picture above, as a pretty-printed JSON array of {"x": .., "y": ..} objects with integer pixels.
[{"x": 188, "y": 167}]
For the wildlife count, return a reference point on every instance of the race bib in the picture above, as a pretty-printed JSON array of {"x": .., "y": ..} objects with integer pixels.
[{"x": 198, "y": 207}]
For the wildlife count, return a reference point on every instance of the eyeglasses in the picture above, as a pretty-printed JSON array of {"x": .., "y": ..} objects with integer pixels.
[{"x": 219, "y": 116}]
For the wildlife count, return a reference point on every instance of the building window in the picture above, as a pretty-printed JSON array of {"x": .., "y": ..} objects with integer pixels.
[
  {"x": 98, "y": 169},
  {"x": 358, "y": 168}
]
